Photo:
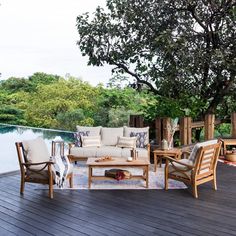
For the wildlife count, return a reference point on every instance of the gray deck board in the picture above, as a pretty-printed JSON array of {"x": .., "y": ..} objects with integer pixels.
[{"x": 119, "y": 212}]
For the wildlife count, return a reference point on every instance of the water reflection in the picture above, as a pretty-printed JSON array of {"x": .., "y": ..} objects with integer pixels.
[{"x": 10, "y": 134}]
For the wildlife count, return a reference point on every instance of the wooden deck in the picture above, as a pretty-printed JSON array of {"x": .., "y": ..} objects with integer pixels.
[{"x": 119, "y": 212}]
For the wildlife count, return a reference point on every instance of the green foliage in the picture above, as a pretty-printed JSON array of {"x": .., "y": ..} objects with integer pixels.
[
  {"x": 11, "y": 115},
  {"x": 223, "y": 130},
  {"x": 70, "y": 119},
  {"x": 176, "y": 49}
]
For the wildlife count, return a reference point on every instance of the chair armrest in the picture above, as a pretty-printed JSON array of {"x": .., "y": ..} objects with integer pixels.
[
  {"x": 179, "y": 162},
  {"x": 38, "y": 163}
]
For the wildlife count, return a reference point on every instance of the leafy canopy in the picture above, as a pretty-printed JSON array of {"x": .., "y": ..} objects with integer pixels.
[{"x": 177, "y": 49}]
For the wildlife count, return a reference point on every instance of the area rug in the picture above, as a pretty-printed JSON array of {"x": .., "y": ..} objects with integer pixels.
[
  {"x": 156, "y": 180},
  {"x": 223, "y": 160}
]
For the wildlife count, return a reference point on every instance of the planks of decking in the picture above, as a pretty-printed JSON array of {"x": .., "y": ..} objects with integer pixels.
[{"x": 119, "y": 212}]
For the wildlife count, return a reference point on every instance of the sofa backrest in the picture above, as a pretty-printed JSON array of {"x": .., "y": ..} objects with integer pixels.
[
  {"x": 110, "y": 135},
  {"x": 92, "y": 131}
]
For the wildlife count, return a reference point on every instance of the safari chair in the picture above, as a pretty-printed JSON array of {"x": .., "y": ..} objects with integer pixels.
[
  {"x": 36, "y": 165},
  {"x": 198, "y": 168}
]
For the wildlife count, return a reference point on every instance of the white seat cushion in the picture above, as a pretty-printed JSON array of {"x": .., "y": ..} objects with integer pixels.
[
  {"x": 181, "y": 167},
  {"x": 109, "y": 151}
]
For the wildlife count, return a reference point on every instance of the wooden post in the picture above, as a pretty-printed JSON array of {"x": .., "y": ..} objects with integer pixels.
[
  {"x": 139, "y": 121},
  {"x": 131, "y": 121},
  {"x": 233, "y": 125},
  {"x": 136, "y": 121},
  {"x": 209, "y": 126},
  {"x": 158, "y": 133},
  {"x": 166, "y": 130},
  {"x": 185, "y": 130}
]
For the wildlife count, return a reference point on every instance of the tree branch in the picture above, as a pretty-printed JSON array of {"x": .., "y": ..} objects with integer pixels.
[{"x": 139, "y": 80}]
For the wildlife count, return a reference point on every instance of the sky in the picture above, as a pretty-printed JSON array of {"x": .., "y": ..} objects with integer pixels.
[{"x": 41, "y": 36}]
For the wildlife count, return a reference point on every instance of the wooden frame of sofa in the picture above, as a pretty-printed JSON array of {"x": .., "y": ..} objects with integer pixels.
[{"x": 76, "y": 158}]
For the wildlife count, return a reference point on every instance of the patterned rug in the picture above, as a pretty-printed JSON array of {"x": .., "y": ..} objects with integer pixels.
[
  {"x": 223, "y": 160},
  {"x": 156, "y": 180}
]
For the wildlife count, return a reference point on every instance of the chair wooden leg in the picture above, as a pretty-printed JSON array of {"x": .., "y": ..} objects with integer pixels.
[
  {"x": 71, "y": 181},
  {"x": 195, "y": 193},
  {"x": 214, "y": 183},
  {"x": 166, "y": 175},
  {"x": 22, "y": 186},
  {"x": 50, "y": 194}
]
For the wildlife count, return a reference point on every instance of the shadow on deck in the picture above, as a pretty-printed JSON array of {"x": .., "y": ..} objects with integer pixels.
[{"x": 119, "y": 212}]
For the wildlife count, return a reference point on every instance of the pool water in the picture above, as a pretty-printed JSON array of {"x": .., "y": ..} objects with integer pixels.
[{"x": 9, "y": 134}]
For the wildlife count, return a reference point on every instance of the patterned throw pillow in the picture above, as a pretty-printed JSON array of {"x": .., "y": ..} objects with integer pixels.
[
  {"x": 77, "y": 136},
  {"x": 141, "y": 138}
]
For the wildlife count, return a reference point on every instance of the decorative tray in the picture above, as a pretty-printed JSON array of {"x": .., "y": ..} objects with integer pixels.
[{"x": 103, "y": 159}]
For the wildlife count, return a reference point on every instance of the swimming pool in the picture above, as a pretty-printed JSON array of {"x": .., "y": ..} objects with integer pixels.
[{"x": 9, "y": 134}]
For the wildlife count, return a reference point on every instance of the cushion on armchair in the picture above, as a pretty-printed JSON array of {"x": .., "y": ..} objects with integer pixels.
[
  {"x": 36, "y": 151},
  {"x": 193, "y": 153}
]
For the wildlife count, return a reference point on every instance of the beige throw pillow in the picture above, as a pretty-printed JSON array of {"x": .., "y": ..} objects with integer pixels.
[
  {"x": 91, "y": 141},
  {"x": 127, "y": 142}
]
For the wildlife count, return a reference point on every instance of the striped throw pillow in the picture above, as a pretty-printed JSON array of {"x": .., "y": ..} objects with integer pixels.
[
  {"x": 91, "y": 141},
  {"x": 126, "y": 142}
]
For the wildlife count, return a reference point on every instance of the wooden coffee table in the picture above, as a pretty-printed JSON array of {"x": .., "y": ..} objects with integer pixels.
[{"x": 118, "y": 163}]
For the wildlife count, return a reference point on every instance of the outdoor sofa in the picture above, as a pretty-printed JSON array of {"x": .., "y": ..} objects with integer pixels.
[{"x": 105, "y": 141}]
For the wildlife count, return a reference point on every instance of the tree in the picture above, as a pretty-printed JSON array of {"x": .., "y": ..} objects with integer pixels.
[{"x": 176, "y": 49}]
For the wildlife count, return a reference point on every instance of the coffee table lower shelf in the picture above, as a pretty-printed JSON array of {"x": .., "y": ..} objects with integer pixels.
[{"x": 117, "y": 163}]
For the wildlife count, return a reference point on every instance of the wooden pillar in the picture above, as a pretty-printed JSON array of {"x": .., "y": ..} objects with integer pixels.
[
  {"x": 136, "y": 121},
  {"x": 166, "y": 130},
  {"x": 158, "y": 133},
  {"x": 131, "y": 121},
  {"x": 185, "y": 130},
  {"x": 139, "y": 121},
  {"x": 233, "y": 125},
  {"x": 209, "y": 126}
]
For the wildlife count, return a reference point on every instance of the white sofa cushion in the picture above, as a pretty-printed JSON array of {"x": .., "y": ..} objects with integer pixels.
[
  {"x": 126, "y": 142},
  {"x": 193, "y": 153},
  {"x": 129, "y": 130},
  {"x": 109, "y": 151},
  {"x": 91, "y": 141},
  {"x": 84, "y": 151},
  {"x": 110, "y": 135},
  {"x": 92, "y": 131}
]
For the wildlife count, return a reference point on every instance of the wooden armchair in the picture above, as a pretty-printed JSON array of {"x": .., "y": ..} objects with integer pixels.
[
  {"x": 199, "y": 168},
  {"x": 37, "y": 171}
]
